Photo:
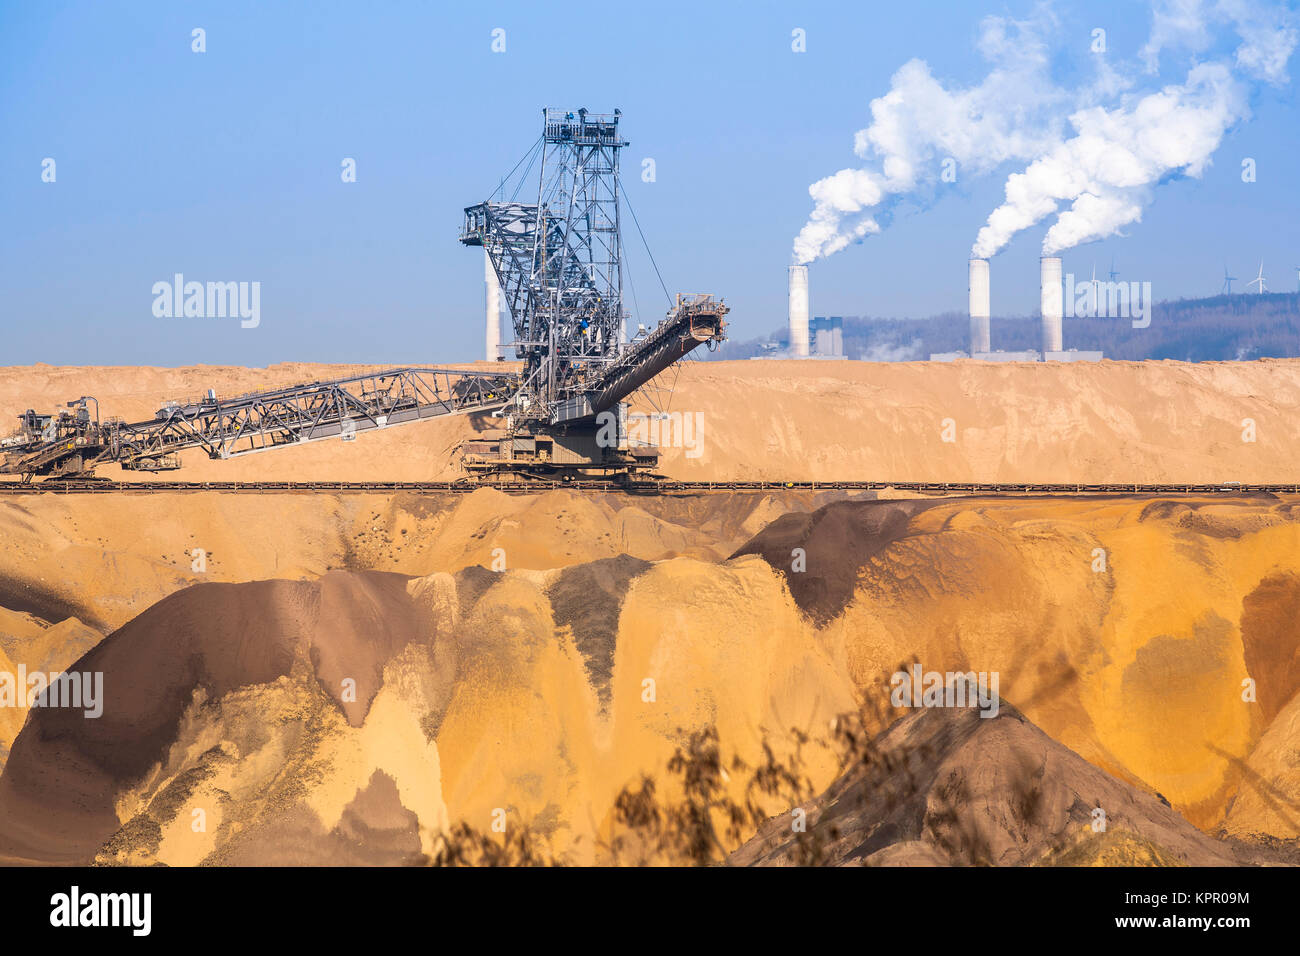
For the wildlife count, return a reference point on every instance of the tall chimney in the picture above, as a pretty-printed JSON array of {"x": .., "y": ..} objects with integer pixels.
[
  {"x": 978, "y": 286},
  {"x": 1049, "y": 271},
  {"x": 799, "y": 311},
  {"x": 492, "y": 301}
]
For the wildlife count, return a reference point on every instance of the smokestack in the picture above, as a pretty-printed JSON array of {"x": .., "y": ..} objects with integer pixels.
[
  {"x": 1049, "y": 271},
  {"x": 492, "y": 301},
  {"x": 978, "y": 286},
  {"x": 799, "y": 311}
]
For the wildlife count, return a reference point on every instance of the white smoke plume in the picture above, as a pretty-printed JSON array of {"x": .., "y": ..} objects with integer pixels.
[
  {"x": 1267, "y": 32},
  {"x": 883, "y": 352},
  {"x": 1109, "y": 169},
  {"x": 1014, "y": 113}
]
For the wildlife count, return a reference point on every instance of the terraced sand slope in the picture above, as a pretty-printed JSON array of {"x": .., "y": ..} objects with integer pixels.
[
  {"x": 292, "y": 717},
  {"x": 74, "y": 568},
  {"x": 1126, "y": 629},
  {"x": 106, "y": 559},
  {"x": 350, "y": 717}
]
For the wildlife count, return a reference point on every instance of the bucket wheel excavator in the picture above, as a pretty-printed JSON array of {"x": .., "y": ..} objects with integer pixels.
[
  {"x": 559, "y": 262},
  {"x": 559, "y": 265}
]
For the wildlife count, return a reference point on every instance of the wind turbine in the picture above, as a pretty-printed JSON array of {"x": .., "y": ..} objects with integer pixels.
[
  {"x": 1259, "y": 279},
  {"x": 1228, "y": 280},
  {"x": 1297, "y": 278},
  {"x": 1113, "y": 274}
]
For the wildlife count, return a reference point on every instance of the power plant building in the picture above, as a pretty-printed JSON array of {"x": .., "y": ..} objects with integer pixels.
[
  {"x": 1051, "y": 320},
  {"x": 1073, "y": 355},
  {"x": 827, "y": 336},
  {"x": 823, "y": 336}
]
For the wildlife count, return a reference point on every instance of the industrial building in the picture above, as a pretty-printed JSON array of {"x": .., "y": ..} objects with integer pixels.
[
  {"x": 823, "y": 336},
  {"x": 1074, "y": 355},
  {"x": 827, "y": 337},
  {"x": 1051, "y": 320},
  {"x": 820, "y": 337}
]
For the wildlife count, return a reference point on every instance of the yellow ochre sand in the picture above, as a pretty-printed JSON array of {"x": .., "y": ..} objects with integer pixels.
[
  {"x": 503, "y": 693},
  {"x": 493, "y": 701}
]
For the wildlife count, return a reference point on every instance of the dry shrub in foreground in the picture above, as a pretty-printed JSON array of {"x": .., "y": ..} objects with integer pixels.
[
  {"x": 698, "y": 826},
  {"x": 701, "y": 814}
]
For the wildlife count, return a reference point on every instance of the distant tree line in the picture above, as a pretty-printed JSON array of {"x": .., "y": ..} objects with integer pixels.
[{"x": 1221, "y": 328}]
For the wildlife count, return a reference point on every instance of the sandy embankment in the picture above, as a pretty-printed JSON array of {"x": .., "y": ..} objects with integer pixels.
[{"x": 1079, "y": 422}]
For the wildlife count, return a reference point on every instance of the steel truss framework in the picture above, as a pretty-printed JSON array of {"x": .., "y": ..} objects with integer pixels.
[
  {"x": 560, "y": 260},
  {"x": 227, "y": 428},
  {"x": 560, "y": 265}
]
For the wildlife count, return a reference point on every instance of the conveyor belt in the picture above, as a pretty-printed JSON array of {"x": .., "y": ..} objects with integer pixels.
[{"x": 661, "y": 486}]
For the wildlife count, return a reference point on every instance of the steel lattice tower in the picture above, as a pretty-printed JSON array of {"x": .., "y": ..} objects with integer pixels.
[{"x": 560, "y": 260}]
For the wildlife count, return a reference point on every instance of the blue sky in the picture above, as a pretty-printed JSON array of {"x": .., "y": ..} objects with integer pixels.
[{"x": 225, "y": 166}]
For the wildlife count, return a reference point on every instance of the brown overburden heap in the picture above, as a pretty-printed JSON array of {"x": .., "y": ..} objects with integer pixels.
[
  {"x": 65, "y": 771},
  {"x": 835, "y": 541},
  {"x": 951, "y": 787}
]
